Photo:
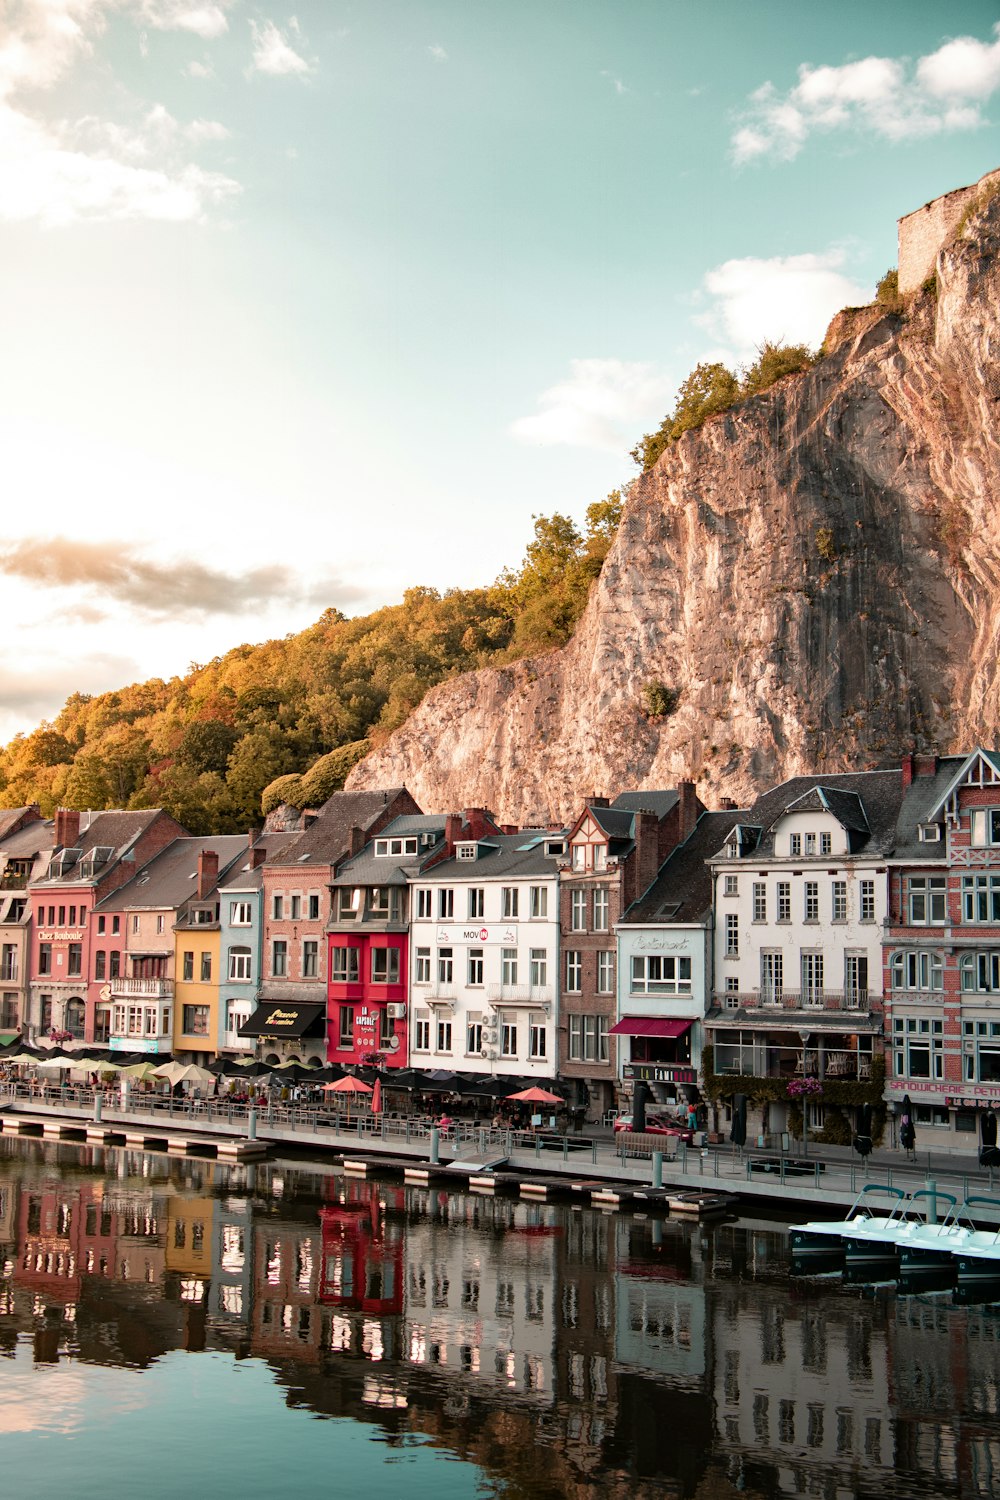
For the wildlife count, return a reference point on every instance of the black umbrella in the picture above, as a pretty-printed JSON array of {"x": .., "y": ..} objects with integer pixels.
[
  {"x": 640, "y": 1097},
  {"x": 907, "y": 1134},
  {"x": 738, "y": 1132},
  {"x": 863, "y": 1136},
  {"x": 989, "y": 1156}
]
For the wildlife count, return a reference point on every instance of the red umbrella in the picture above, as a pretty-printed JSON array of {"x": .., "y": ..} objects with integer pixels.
[
  {"x": 535, "y": 1096},
  {"x": 376, "y": 1101},
  {"x": 348, "y": 1085}
]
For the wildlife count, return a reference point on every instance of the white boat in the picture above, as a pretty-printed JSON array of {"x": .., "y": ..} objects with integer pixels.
[
  {"x": 924, "y": 1243},
  {"x": 874, "y": 1237},
  {"x": 825, "y": 1239},
  {"x": 978, "y": 1257}
]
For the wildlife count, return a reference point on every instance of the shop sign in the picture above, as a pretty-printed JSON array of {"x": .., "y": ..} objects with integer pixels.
[
  {"x": 661, "y": 1072},
  {"x": 478, "y": 934}
]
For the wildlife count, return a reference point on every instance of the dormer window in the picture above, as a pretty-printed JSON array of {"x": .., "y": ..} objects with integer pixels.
[
  {"x": 385, "y": 848},
  {"x": 600, "y": 856},
  {"x": 466, "y": 851},
  {"x": 929, "y": 833},
  {"x": 579, "y": 856},
  {"x": 554, "y": 848}
]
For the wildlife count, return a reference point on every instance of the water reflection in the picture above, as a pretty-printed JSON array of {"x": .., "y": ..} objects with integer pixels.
[{"x": 563, "y": 1351}]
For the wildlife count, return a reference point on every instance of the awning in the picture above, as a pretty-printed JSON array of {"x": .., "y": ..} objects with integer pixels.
[
  {"x": 282, "y": 1019},
  {"x": 649, "y": 1026}
]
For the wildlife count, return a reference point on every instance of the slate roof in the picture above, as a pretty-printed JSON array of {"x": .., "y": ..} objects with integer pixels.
[
  {"x": 34, "y": 839},
  {"x": 325, "y": 840},
  {"x": 661, "y": 803},
  {"x": 868, "y": 802},
  {"x": 367, "y": 868},
  {"x": 239, "y": 876},
  {"x": 516, "y": 854},
  {"x": 169, "y": 879},
  {"x": 682, "y": 890},
  {"x": 921, "y": 804},
  {"x": 114, "y": 830},
  {"x": 9, "y": 816}
]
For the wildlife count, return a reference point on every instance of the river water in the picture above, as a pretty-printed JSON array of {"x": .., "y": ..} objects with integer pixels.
[{"x": 181, "y": 1327}]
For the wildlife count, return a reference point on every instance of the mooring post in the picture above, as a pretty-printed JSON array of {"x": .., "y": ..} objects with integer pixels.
[
  {"x": 435, "y": 1146},
  {"x": 98, "y": 1107},
  {"x": 251, "y": 1124},
  {"x": 657, "y": 1169}
]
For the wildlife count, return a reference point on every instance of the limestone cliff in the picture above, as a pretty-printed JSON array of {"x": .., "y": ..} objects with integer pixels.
[{"x": 813, "y": 572}]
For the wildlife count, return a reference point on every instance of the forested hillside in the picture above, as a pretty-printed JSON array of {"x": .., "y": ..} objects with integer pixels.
[{"x": 286, "y": 720}]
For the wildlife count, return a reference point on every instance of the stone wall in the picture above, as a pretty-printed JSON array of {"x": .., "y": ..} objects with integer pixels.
[{"x": 922, "y": 233}]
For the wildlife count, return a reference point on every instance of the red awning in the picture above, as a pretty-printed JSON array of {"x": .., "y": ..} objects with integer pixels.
[{"x": 649, "y": 1026}]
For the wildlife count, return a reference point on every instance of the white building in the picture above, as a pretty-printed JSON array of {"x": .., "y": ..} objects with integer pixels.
[{"x": 484, "y": 957}]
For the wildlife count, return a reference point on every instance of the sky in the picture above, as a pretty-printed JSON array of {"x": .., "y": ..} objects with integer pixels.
[{"x": 305, "y": 304}]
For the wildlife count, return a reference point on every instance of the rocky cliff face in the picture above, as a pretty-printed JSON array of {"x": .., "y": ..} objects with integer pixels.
[{"x": 814, "y": 573}]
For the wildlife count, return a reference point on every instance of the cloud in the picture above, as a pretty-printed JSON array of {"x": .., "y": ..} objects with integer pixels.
[
  {"x": 787, "y": 298},
  {"x": 888, "y": 96},
  {"x": 196, "y": 69},
  {"x": 207, "y": 21},
  {"x": 599, "y": 406},
  {"x": 616, "y": 83},
  {"x": 60, "y": 172},
  {"x": 438, "y": 53},
  {"x": 182, "y": 589},
  {"x": 273, "y": 54}
]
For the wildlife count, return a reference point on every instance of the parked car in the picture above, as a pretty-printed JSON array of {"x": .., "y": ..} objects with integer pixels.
[{"x": 658, "y": 1125}]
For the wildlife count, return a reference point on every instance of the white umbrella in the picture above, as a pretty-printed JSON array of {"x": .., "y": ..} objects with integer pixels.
[{"x": 178, "y": 1072}]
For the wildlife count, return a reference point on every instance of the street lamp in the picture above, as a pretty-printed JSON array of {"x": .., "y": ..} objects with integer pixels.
[{"x": 804, "y": 1037}]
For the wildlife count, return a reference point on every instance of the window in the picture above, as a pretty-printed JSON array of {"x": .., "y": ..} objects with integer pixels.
[
  {"x": 981, "y": 898},
  {"x": 160, "y": 924},
  {"x": 588, "y": 1038},
  {"x": 982, "y": 1051},
  {"x": 812, "y": 978},
  {"x": 74, "y": 962},
  {"x": 536, "y": 1040},
  {"x": 115, "y": 964},
  {"x": 539, "y": 900},
  {"x": 45, "y": 958},
  {"x": 446, "y": 904},
  {"x": 477, "y": 903},
  {"x": 985, "y": 827},
  {"x": 759, "y": 901},
  {"x": 296, "y": 912},
  {"x": 422, "y": 1034},
  {"x": 856, "y": 980},
  {"x": 509, "y": 902},
  {"x": 928, "y": 900},
  {"x": 578, "y": 911},
  {"x": 314, "y": 908},
  {"x": 838, "y": 905},
  {"x": 344, "y": 966},
  {"x": 346, "y": 1037},
  {"x": 239, "y": 963},
  {"x": 917, "y": 970},
  {"x": 310, "y": 958},
  {"x": 866, "y": 899},
  {"x": 732, "y": 935},
  {"x": 446, "y": 965},
  {"x": 187, "y": 965},
  {"x": 279, "y": 959},
  {"x": 206, "y": 967},
  {"x": 8, "y": 962},
  {"x": 810, "y": 907},
  {"x": 795, "y": 844},
  {"x": 100, "y": 926},
  {"x": 538, "y": 961},
  {"x": 980, "y": 972},
  {"x": 379, "y": 902},
  {"x": 443, "y": 1035},
  {"x": 475, "y": 967},
  {"x": 195, "y": 1019},
  {"x": 424, "y": 898},
  {"x": 659, "y": 974},
  {"x": 386, "y": 1029},
  {"x": 348, "y": 904},
  {"x": 100, "y": 964},
  {"x": 278, "y": 907},
  {"x": 579, "y": 856},
  {"x": 601, "y": 908},
  {"x": 62, "y": 917},
  {"x": 508, "y": 1037},
  {"x": 809, "y": 844},
  {"x": 605, "y": 973},
  {"x": 730, "y": 885},
  {"x": 385, "y": 966},
  {"x": 395, "y": 846},
  {"x": 772, "y": 976},
  {"x": 116, "y": 924},
  {"x": 474, "y": 1034},
  {"x": 136, "y": 924},
  {"x": 574, "y": 970},
  {"x": 732, "y": 992},
  {"x": 918, "y": 1045},
  {"x": 466, "y": 851},
  {"x": 508, "y": 966},
  {"x": 240, "y": 913},
  {"x": 45, "y": 1018},
  {"x": 422, "y": 968}
]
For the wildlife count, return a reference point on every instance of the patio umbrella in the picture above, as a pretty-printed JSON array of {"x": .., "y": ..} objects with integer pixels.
[
  {"x": 348, "y": 1085},
  {"x": 178, "y": 1072},
  {"x": 907, "y": 1134},
  {"x": 142, "y": 1071},
  {"x": 536, "y": 1096},
  {"x": 376, "y": 1102}
]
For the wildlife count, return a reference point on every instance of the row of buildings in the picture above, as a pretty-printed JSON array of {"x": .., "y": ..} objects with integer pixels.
[{"x": 842, "y": 929}]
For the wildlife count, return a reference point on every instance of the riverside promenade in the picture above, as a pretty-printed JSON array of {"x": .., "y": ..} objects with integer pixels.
[{"x": 825, "y": 1180}]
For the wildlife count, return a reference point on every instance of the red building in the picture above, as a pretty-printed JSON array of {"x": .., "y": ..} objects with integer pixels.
[{"x": 93, "y": 854}]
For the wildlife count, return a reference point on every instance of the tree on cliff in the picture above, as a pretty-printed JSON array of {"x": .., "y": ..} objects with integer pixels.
[{"x": 708, "y": 390}]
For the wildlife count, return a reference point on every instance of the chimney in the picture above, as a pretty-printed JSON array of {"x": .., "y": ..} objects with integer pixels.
[
  {"x": 594, "y": 801},
  {"x": 452, "y": 831},
  {"x": 906, "y": 766},
  {"x": 727, "y": 804},
  {"x": 355, "y": 840},
  {"x": 479, "y": 821},
  {"x": 258, "y": 854},
  {"x": 925, "y": 765},
  {"x": 208, "y": 871},
  {"x": 647, "y": 852},
  {"x": 253, "y": 834},
  {"x": 67, "y": 829},
  {"x": 689, "y": 809}
]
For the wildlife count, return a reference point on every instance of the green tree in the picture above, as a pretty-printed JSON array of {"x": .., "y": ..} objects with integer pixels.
[
  {"x": 772, "y": 363},
  {"x": 207, "y": 745},
  {"x": 708, "y": 390}
]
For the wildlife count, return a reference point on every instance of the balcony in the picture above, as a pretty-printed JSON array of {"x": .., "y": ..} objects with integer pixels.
[
  {"x": 14, "y": 880},
  {"x": 860, "y": 1002},
  {"x": 8, "y": 971},
  {"x": 537, "y": 996},
  {"x": 833, "y": 1065},
  {"x": 142, "y": 989}
]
